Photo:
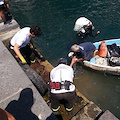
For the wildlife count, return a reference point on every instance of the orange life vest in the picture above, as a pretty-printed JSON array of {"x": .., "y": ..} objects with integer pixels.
[{"x": 102, "y": 49}]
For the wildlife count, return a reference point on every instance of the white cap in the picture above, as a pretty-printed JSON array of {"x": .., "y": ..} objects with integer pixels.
[{"x": 80, "y": 22}]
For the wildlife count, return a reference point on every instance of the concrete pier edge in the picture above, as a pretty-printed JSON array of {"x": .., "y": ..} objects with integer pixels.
[{"x": 14, "y": 82}]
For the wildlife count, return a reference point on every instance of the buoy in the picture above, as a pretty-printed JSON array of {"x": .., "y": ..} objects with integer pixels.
[{"x": 102, "y": 49}]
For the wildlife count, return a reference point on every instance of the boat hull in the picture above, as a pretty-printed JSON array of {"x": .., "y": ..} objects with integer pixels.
[{"x": 104, "y": 68}]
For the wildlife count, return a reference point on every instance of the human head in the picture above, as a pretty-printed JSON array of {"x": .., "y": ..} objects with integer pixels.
[
  {"x": 35, "y": 31},
  {"x": 75, "y": 48},
  {"x": 62, "y": 61}
]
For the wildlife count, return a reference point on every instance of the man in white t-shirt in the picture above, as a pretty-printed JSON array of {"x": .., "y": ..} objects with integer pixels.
[
  {"x": 19, "y": 42},
  {"x": 62, "y": 88}
]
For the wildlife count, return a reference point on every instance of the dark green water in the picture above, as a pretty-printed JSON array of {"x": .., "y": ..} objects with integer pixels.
[{"x": 56, "y": 19}]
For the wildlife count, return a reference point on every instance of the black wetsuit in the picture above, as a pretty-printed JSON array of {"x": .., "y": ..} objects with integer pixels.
[{"x": 88, "y": 32}]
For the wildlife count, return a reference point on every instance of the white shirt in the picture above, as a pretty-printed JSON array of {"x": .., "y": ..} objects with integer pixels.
[
  {"x": 1, "y": 2},
  {"x": 22, "y": 37},
  {"x": 80, "y": 22},
  {"x": 61, "y": 73}
]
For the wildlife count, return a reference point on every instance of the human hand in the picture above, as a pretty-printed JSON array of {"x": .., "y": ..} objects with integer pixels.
[
  {"x": 93, "y": 27},
  {"x": 98, "y": 32}
]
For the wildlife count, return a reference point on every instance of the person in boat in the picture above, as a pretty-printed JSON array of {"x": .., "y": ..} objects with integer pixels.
[
  {"x": 4, "y": 5},
  {"x": 83, "y": 51},
  {"x": 19, "y": 43},
  {"x": 84, "y": 28},
  {"x": 62, "y": 88},
  {"x": 4, "y": 115}
]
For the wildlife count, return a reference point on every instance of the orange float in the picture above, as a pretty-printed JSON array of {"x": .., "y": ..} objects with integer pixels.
[{"x": 102, "y": 49}]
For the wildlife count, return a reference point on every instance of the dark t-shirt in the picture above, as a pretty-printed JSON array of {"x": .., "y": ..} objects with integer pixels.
[{"x": 86, "y": 50}]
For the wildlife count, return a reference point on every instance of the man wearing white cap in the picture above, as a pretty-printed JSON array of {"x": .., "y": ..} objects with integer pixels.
[{"x": 84, "y": 28}]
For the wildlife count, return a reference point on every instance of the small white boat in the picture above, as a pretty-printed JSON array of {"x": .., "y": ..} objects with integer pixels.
[{"x": 101, "y": 64}]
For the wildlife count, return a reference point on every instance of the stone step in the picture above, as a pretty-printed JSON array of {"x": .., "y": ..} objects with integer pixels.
[
  {"x": 107, "y": 115},
  {"x": 8, "y": 27},
  {"x": 89, "y": 112}
]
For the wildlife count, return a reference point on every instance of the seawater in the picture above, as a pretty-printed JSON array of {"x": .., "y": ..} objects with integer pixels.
[{"x": 56, "y": 19}]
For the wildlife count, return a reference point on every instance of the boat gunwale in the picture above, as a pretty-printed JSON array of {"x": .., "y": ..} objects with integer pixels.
[{"x": 99, "y": 67}]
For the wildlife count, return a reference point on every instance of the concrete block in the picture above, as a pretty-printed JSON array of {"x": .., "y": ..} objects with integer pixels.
[
  {"x": 107, "y": 115},
  {"x": 89, "y": 112},
  {"x": 7, "y": 35},
  {"x": 8, "y": 27},
  {"x": 18, "y": 95}
]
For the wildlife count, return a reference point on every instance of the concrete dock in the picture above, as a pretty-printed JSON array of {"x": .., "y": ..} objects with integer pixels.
[{"x": 19, "y": 95}]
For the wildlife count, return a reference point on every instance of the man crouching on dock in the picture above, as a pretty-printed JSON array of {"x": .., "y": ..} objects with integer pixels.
[
  {"x": 19, "y": 43},
  {"x": 62, "y": 89}
]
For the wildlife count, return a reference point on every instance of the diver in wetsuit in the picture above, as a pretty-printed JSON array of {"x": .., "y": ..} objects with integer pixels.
[{"x": 84, "y": 28}]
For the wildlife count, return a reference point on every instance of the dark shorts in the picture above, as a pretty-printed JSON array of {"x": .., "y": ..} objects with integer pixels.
[
  {"x": 2, "y": 7},
  {"x": 67, "y": 99},
  {"x": 26, "y": 52}
]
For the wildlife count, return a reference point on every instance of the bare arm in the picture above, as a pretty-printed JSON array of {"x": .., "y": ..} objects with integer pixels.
[
  {"x": 31, "y": 41},
  {"x": 10, "y": 116},
  {"x": 4, "y": 115},
  {"x": 74, "y": 60},
  {"x": 17, "y": 51},
  {"x": 7, "y": 5},
  {"x": 33, "y": 45}
]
